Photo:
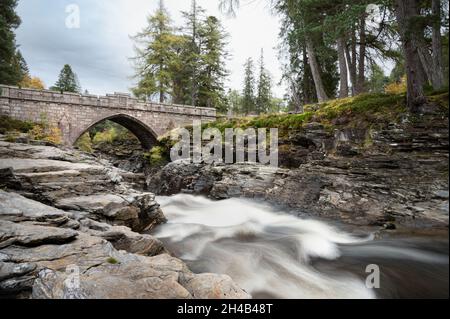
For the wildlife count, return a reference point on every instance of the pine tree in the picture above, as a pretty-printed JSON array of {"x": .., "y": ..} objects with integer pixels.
[
  {"x": 10, "y": 59},
  {"x": 264, "y": 91},
  {"x": 22, "y": 64},
  {"x": 248, "y": 94},
  {"x": 212, "y": 71},
  {"x": 192, "y": 52},
  {"x": 67, "y": 81},
  {"x": 156, "y": 57}
]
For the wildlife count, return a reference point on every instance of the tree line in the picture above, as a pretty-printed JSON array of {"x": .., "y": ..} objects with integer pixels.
[
  {"x": 185, "y": 64},
  {"x": 335, "y": 48}
]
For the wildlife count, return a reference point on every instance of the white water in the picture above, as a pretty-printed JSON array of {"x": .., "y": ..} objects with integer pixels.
[
  {"x": 275, "y": 255},
  {"x": 266, "y": 252}
]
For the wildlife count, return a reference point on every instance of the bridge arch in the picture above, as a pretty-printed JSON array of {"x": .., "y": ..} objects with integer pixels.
[{"x": 145, "y": 134}]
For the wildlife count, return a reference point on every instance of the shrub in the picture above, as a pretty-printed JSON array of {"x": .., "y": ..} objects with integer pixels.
[
  {"x": 8, "y": 124},
  {"x": 84, "y": 143},
  {"x": 49, "y": 134},
  {"x": 397, "y": 87},
  {"x": 156, "y": 155}
]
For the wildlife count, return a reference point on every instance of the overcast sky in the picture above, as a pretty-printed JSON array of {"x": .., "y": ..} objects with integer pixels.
[{"x": 100, "y": 49}]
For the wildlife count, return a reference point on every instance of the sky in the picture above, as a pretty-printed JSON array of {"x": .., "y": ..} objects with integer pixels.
[{"x": 100, "y": 49}]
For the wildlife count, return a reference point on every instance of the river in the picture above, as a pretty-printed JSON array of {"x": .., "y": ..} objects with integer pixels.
[{"x": 273, "y": 254}]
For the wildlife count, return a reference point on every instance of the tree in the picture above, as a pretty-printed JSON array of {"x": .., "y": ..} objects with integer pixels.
[
  {"x": 192, "y": 54},
  {"x": 264, "y": 90},
  {"x": 438, "y": 63},
  {"x": 156, "y": 57},
  {"x": 248, "y": 94},
  {"x": 377, "y": 80},
  {"x": 22, "y": 64},
  {"x": 67, "y": 81},
  {"x": 211, "y": 69},
  {"x": 11, "y": 72},
  {"x": 235, "y": 101},
  {"x": 32, "y": 83},
  {"x": 407, "y": 13}
]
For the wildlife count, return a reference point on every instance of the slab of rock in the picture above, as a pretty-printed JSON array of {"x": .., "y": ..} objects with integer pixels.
[
  {"x": 123, "y": 238},
  {"x": 159, "y": 277},
  {"x": 32, "y": 235},
  {"x": 139, "y": 211},
  {"x": 16, "y": 208}
]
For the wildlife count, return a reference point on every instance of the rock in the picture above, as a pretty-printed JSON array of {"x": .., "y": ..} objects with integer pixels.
[
  {"x": 138, "y": 211},
  {"x": 157, "y": 277},
  {"x": 9, "y": 270},
  {"x": 211, "y": 286},
  {"x": 96, "y": 261},
  {"x": 356, "y": 175},
  {"x": 123, "y": 238},
  {"x": 16, "y": 208},
  {"x": 31, "y": 235}
]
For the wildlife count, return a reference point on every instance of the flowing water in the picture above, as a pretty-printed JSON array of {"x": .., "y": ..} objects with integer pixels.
[{"x": 272, "y": 254}]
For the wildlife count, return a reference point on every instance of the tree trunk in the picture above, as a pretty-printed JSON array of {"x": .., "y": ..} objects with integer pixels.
[
  {"x": 353, "y": 71},
  {"x": 350, "y": 67},
  {"x": 438, "y": 70},
  {"x": 361, "y": 81},
  {"x": 320, "y": 90},
  {"x": 427, "y": 63},
  {"x": 407, "y": 11},
  {"x": 343, "y": 73}
]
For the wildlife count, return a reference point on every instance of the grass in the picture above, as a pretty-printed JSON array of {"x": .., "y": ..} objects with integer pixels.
[{"x": 362, "y": 110}]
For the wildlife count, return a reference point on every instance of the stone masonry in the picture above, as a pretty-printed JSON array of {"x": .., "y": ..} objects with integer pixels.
[{"x": 74, "y": 114}]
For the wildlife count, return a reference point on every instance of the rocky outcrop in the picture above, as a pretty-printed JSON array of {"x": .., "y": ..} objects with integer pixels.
[
  {"x": 395, "y": 176},
  {"x": 69, "y": 228},
  {"x": 75, "y": 181}
]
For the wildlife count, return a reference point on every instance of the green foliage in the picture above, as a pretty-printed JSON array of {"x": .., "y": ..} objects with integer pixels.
[
  {"x": 67, "y": 81},
  {"x": 157, "y": 156},
  {"x": 248, "y": 93},
  {"x": 264, "y": 90},
  {"x": 186, "y": 68},
  {"x": 84, "y": 143},
  {"x": 156, "y": 57},
  {"x": 378, "y": 80},
  {"x": 362, "y": 110},
  {"x": 8, "y": 124},
  {"x": 212, "y": 71},
  {"x": 112, "y": 261},
  {"x": 12, "y": 65},
  {"x": 41, "y": 131}
]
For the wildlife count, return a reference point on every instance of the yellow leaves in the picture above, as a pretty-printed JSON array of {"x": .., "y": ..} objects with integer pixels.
[
  {"x": 51, "y": 134},
  {"x": 397, "y": 87},
  {"x": 32, "y": 83},
  {"x": 84, "y": 143}
]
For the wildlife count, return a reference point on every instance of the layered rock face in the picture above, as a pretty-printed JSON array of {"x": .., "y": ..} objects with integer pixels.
[
  {"x": 72, "y": 227},
  {"x": 393, "y": 176}
]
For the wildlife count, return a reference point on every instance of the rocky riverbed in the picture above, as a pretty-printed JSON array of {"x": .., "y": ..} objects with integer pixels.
[
  {"x": 393, "y": 177},
  {"x": 72, "y": 226},
  {"x": 65, "y": 214}
]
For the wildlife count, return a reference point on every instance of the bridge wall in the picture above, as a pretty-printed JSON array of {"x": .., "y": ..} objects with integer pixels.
[{"x": 75, "y": 113}]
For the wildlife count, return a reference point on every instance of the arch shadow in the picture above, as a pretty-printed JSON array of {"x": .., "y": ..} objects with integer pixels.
[{"x": 143, "y": 132}]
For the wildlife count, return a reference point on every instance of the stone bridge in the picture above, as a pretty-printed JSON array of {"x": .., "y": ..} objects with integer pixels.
[{"x": 75, "y": 114}]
